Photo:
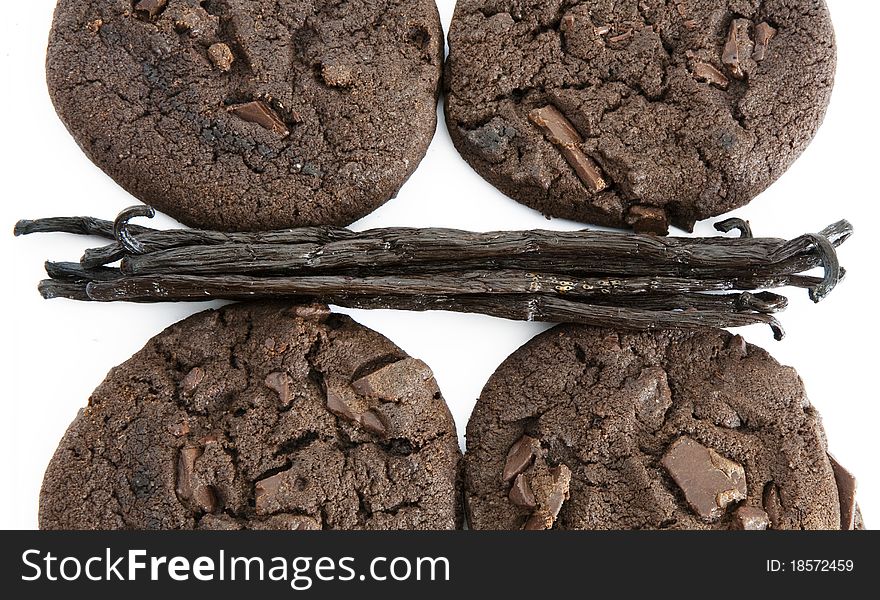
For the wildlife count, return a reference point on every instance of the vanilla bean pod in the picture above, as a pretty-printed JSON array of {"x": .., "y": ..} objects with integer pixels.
[
  {"x": 558, "y": 310},
  {"x": 75, "y": 225},
  {"x": 187, "y": 287}
]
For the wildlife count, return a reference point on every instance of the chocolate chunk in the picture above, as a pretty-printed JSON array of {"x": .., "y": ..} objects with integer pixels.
[
  {"x": 192, "y": 380},
  {"x": 730, "y": 55},
  {"x": 536, "y": 523},
  {"x": 150, "y": 8},
  {"x": 262, "y": 114},
  {"x": 846, "y": 491},
  {"x": 337, "y": 405},
  {"x": 205, "y": 498},
  {"x": 221, "y": 56},
  {"x": 773, "y": 505},
  {"x": 764, "y": 32},
  {"x": 562, "y": 134},
  {"x": 338, "y": 76},
  {"x": 395, "y": 381},
  {"x": 373, "y": 422},
  {"x": 648, "y": 219},
  {"x": 561, "y": 477},
  {"x": 280, "y": 383},
  {"x": 749, "y": 518},
  {"x": 705, "y": 72},
  {"x": 519, "y": 457},
  {"x": 186, "y": 461},
  {"x": 266, "y": 491},
  {"x": 521, "y": 493},
  {"x": 652, "y": 397},
  {"x": 710, "y": 482}
]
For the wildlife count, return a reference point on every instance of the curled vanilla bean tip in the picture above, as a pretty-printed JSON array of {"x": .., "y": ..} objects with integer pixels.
[
  {"x": 829, "y": 261},
  {"x": 729, "y": 225},
  {"x": 23, "y": 227},
  {"x": 50, "y": 289},
  {"x": 778, "y": 331},
  {"x": 121, "y": 231},
  {"x": 764, "y": 302},
  {"x": 838, "y": 233}
]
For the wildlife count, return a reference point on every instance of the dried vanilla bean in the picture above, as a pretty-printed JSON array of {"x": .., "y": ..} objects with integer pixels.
[{"x": 590, "y": 277}]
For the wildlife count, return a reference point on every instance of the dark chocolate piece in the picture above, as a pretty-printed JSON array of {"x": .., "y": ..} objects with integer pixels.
[
  {"x": 846, "y": 491},
  {"x": 562, "y": 134},
  {"x": 262, "y": 114},
  {"x": 749, "y": 518},
  {"x": 519, "y": 457},
  {"x": 730, "y": 55},
  {"x": 280, "y": 383},
  {"x": 521, "y": 493},
  {"x": 150, "y": 8},
  {"x": 764, "y": 33},
  {"x": 703, "y": 71},
  {"x": 710, "y": 482}
]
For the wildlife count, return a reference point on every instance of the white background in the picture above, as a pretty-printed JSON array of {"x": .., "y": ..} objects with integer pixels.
[{"x": 55, "y": 353}]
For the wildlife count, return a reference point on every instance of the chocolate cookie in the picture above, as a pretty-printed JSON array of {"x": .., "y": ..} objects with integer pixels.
[
  {"x": 250, "y": 114},
  {"x": 260, "y": 416},
  {"x": 637, "y": 113},
  {"x": 586, "y": 428}
]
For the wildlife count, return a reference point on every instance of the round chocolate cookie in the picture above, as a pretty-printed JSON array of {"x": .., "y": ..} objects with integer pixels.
[
  {"x": 260, "y": 416},
  {"x": 586, "y": 428},
  {"x": 250, "y": 114},
  {"x": 637, "y": 113}
]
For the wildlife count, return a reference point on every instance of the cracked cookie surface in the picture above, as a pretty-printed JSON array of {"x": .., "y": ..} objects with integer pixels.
[
  {"x": 586, "y": 428},
  {"x": 260, "y": 416},
  {"x": 250, "y": 114},
  {"x": 672, "y": 111}
]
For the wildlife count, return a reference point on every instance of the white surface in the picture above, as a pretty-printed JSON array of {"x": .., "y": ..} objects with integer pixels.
[{"x": 55, "y": 353}]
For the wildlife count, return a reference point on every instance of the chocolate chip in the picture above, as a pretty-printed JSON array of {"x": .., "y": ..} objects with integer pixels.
[
  {"x": 521, "y": 493},
  {"x": 738, "y": 346},
  {"x": 561, "y": 477},
  {"x": 846, "y": 491},
  {"x": 772, "y": 505},
  {"x": 562, "y": 134},
  {"x": 764, "y": 33},
  {"x": 519, "y": 457},
  {"x": 188, "y": 488},
  {"x": 394, "y": 381},
  {"x": 186, "y": 461},
  {"x": 262, "y": 114},
  {"x": 192, "y": 380},
  {"x": 648, "y": 219},
  {"x": 710, "y": 482},
  {"x": 221, "y": 56},
  {"x": 373, "y": 422},
  {"x": 652, "y": 397},
  {"x": 266, "y": 491},
  {"x": 205, "y": 498},
  {"x": 280, "y": 383},
  {"x": 337, "y": 405},
  {"x": 705, "y": 72},
  {"x": 150, "y": 8},
  {"x": 730, "y": 55},
  {"x": 537, "y": 523},
  {"x": 749, "y": 518}
]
